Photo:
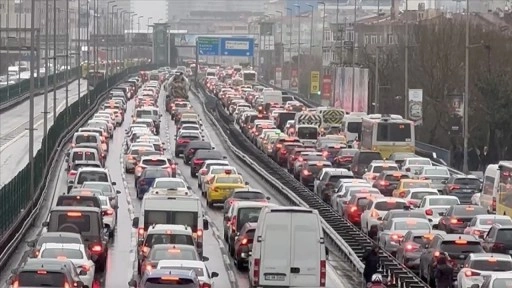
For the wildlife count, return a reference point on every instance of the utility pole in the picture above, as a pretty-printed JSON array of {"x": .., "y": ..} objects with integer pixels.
[
  {"x": 298, "y": 43},
  {"x": 290, "y": 45},
  {"x": 377, "y": 56},
  {"x": 79, "y": 50},
  {"x": 354, "y": 58},
  {"x": 66, "y": 71},
  {"x": 46, "y": 72},
  {"x": 31, "y": 99},
  {"x": 54, "y": 61},
  {"x": 95, "y": 30},
  {"x": 466, "y": 95},
  {"x": 311, "y": 30},
  {"x": 406, "y": 68}
]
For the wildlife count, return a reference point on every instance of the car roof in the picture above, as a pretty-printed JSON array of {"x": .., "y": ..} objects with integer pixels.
[
  {"x": 498, "y": 256},
  {"x": 63, "y": 246},
  {"x": 423, "y": 190},
  {"x": 454, "y": 237},
  {"x": 61, "y": 234},
  {"x": 46, "y": 264},
  {"x": 75, "y": 209}
]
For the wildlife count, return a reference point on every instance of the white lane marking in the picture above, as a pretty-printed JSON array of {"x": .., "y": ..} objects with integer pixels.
[{"x": 22, "y": 134}]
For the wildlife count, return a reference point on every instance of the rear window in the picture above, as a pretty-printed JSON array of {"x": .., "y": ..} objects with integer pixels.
[
  {"x": 419, "y": 162},
  {"x": 208, "y": 154},
  {"x": 181, "y": 105},
  {"x": 79, "y": 139},
  {"x": 87, "y": 156},
  {"x": 410, "y": 185},
  {"x": 199, "y": 271},
  {"x": 250, "y": 233},
  {"x": 78, "y": 166},
  {"x": 396, "y": 177},
  {"x": 369, "y": 157},
  {"x": 246, "y": 215},
  {"x": 315, "y": 168},
  {"x": 73, "y": 222},
  {"x": 142, "y": 113},
  {"x": 486, "y": 265},
  {"x": 465, "y": 211},
  {"x": 156, "y": 173},
  {"x": 41, "y": 279},
  {"x": 290, "y": 147},
  {"x": 466, "y": 248},
  {"x": 92, "y": 176},
  {"x": 173, "y": 254},
  {"x": 188, "y": 136},
  {"x": 467, "y": 181},
  {"x": 190, "y": 127},
  {"x": 154, "y": 162},
  {"x": 229, "y": 180},
  {"x": 354, "y": 127},
  {"x": 76, "y": 201},
  {"x": 105, "y": 188},
  {"x": 443, "y": 202},
  {"x": 421, "y": 240},
  {"x": 336, "y": 178},
  {"x": 504, "y": 236},
  {"x": 169, "y": 184},
  {"x": 436, "y": 172},
  {"x": 420, "y": 194},
  {"x": 491, "y": 221},
  {"x": 249, "y": 195},
  {"x": 169, "y": 282},
  {"x": 380, "y": 168},
  {"x": 155, "y": 239},
  {"x": 389, "y": 205},
  {"x": 221, "y": 171},
  {"x": 53, "y": 253},
  {"x": 362, "y": 202}
]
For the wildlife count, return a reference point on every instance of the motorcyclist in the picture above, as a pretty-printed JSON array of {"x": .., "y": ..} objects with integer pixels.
[
  {"x": 371, "y": 261},
  {"x": 376, "y": 282}
]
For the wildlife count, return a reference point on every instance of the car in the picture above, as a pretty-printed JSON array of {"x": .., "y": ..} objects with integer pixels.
[
  {"x": 167, "y": 278},
  {"x": 205, "y": 277},
  {"x": 457, "y": 218},
  {"x": 310, "y": 170},
  {"x": 355, "y": 207},
  {"x": 130, "y": 158},
  {"x": 415, "y": 195},
  {"x": 435, "y": 207},
  {"x": 495, "y": 280},
  {"x": 437, "y": 176},
  {"x": 221, "y": 186},
  {"x": 480, "y": 224},
  {"x": 107, "y": 189},
  {"x": 169, "y": 252},
  {"x": 376, "y": 167},
  {"x": 344, "y": 158},
  {"x": 412, "y": 246},
  {"x": 211, "y": 172},
  {"x": 497, "y": 239},
  {"x": 242, "y": 247},
  {"x": 200, "y": 157},
  {"x": 376, "y": 209},
  {"x": 462, "y": 187},
  {"x": 343, "y": 194},
  {"x": 155, "y": 162},
  {"x": 76, "y": 253},
  {"x": 394, "y": 230},
  {"x": 109, "y": 215},
  {"x": 406, "y": 184},
  {"x": 325, "y": 181},
  {"x": 73, "y": 170},
  {"x": 183, "y": 139},
  {"x": 387, "y": 181},
  {"x": 148, "y": 176},
  {"x": 400, "y": 213},
  {"x": 192, "y": 148},
  {"x": 478, "y": 266},
  {"x": 90, "y": 174},
  {"x": 206, "y": 167},
  {"x": 33, "y": 273},
  {"x": 245, "y": 194},
  {"x": 52, "y": 237}
]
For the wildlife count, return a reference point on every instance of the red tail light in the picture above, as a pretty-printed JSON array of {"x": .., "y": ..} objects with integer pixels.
[
  {"x": 96, "y": 248},
  {"x": 72, "y": 173},
  {"x": 198, "y": 162},
  {"x": 429, "y": 212},
  {"x": 411, "y": 247},
  {"x": 470, "y": 273},
  {"x": 323, "y": 273},
  {"x": 353, "y": 209},
  {"x": 86, "y": 268},
  {"x": 454, "y": 221},
  {"x": 306, "y": 172},
  {"x": 256, "y": 272},
  {"x": 493, "y": 205},
  {"x": 183, "y": 141},
  {"x": 283, "y": 151},
  {"x": 396, "y": 237},
  {"x": 108, "y": 212},
  {"x": 384, "y": 183},
  {"x": 206, "y": 285},
  {"x": 245, "y": 241},
  {"x": 141, "y": 231},
  {"x": 453, "y": 187}
]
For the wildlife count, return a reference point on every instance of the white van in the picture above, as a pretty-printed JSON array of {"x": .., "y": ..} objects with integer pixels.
[
  {"x": 352, "y": 125},
  {"x": 490, "y": 188},
  {"x": 288, "y": 249}
]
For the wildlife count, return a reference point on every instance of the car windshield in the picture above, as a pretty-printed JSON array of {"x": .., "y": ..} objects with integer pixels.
[
  {"x": 173, "y": 254},
  {"x": 466, "y": 211},
  {"x": 491, "y": 264},
  {"x": 54, "y": 253},
  {"x": 249, "y": 195},
  {"x": 46, "y": 279},
  {"x": 442, "y": 201},
  {"x": 228, "y": 180},
  {"x": 380, "y": 168},
  {"x": 418, "y": 195},
  {"x": 389, "y": 205},
  {"x": 436, "y": 172},
  {"x": 169, "y": 282},
  {"x": 162, "y": 184}
]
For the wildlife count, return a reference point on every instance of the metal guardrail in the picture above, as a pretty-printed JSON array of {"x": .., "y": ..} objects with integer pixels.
[
  {"x": 17, "y": 233},
  {"x": 349, "y": 241},
  {"x": 421, "y": 152}
]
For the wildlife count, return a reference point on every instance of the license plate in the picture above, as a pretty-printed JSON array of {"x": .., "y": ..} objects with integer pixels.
[
  {"x": 274, "y": 277},
  {"x": 228, "y": 190},
  {"x": 466, "y": 190}
]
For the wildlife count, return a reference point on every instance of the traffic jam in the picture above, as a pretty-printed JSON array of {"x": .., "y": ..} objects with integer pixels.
[{"x": 411, "y": 208}]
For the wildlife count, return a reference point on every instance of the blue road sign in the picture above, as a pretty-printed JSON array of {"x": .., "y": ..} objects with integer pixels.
[
  {"x": 208, "y": 46},
  {"x": 242, "y": 47}
]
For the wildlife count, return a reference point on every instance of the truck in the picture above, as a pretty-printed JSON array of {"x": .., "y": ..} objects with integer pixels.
[{"x": 177, "y": 87}]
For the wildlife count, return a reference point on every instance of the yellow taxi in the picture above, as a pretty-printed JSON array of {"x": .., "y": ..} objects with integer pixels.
[
  {"x": 221, "y": 187},
  {"x": 406, "y": 184}
]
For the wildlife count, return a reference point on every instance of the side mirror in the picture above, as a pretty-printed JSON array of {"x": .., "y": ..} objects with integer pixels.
[
  {"x": 215, "y": 275},
  {"x": 247, "y": 183},
  {"x": 114, "y": 183},
  {"x": 67, "y": 154},
  {"x": 132, "y": 283},
  {"x": 31, "y": 243},
  {"x": 135, "y": 222},
  {"x": 205, "y": 259},
  {"x": 118, "y": 192},
  {"x": 206, "y": 224},
  {"x": 45, "y": 224},
  {"x": 189, "y": 188},
  {"x": 82, "y": 272},
  {"x": 268, "y": 198}
]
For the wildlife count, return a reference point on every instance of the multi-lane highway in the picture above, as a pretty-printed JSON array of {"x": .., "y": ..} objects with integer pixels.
[
  {"x": 13, "y": 125},
  {"x": 122, "y": 251}
]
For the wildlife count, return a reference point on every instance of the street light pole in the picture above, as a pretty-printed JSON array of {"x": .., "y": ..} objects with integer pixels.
[
  {"x": 138, "y": 23},
  {"x": 311, "y": 28},
  {"x": 66, "y": 70},
  {"x": 298, "y": 49},
  {"x": 354, "y": 58},
  {"x": 377, "y": 56},
  {"x": 31, "y": 99},
  {"x": 149, "y": 19},
  {"x": 54, "y": 61},
  {"x": 290, "y": 45},
  {"x": 46, "y": 72},
  {"x": 79, "y": 50},
  {"x": 466, "y": 96},
  {"x": 406, "y": 68}
]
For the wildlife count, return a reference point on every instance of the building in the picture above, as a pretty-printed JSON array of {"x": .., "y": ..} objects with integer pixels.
[{"x": 182, "y": 9}]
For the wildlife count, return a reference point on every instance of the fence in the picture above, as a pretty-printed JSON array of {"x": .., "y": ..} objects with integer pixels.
[
  {"x": 14, "y": 91},
  {"x": 16, "y": 200}
]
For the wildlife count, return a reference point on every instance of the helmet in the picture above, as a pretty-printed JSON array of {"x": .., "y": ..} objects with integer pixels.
[{"x": 377, "y": 278}]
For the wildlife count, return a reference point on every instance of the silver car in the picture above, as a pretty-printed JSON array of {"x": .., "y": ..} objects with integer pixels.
[{"x": 394, "y": 231}]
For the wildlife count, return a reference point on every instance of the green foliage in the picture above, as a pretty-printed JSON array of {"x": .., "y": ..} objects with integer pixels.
[{"x": 496, "y": 93}]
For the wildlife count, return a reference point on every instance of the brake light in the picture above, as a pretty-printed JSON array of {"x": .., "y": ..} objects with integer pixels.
[
  {"x": 410, "y": 247},
  {"x": 396, "y": 237},
  {"x": 437, "y": 254},
  {"x": 202, "y": 172},
  {"x": 306, "y": 172},
  {"x": 96, "y": 248},
  {"x": 461, "y": 242},
  {"x": 454, "y": 221},
  {"x": 453, "y": 187},
  {"x": 72, "y": 173},
  {"x": 323, "y": 273},
  {"x": 182, "y": 141},
  {"x": 86, "y": 268},
  {"x": 256, "y": 272},
  {"x": 374, "y": 214},
  {"x": 245, "y": 241},
  {"x": 173, "y": 166},
  {"x": 198, "y": 162},
  {"x": 109, "y": 212},
  {"x": 493, "y": 205},
  {"x": 283, "y": 151},
  {"x": 470, "y": 273},
  {"x": 206, "y": 285},
  {"x": 384, "y": 183},
  {"x": 42, "y": 272},
  {"x": 429, "y": 212},
  {"x": 353, "y": 209},
  {"x": 141, "y": 231}
]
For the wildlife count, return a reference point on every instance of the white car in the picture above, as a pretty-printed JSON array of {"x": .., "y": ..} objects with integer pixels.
[
  {"x": 206, "y": 166},
  {"x": 434, "y": 207},
  {"x": 191, "y": 127},
  {"x": 481, "y": 224},
  {"x": 169, "y": 183},
  {"x": 109, "y": 215},
  {"x": 377, "y": 208},
  {"x": 478, "y": 265},
  {"x": 199, "y": 267},
  {"x": 341, "y": 196},
  {"x": 76, "y": 253},
  {"x": 211, "y": 172},
  {"x": 414, "y": 196},
  {"x": 376, "y": 167},
  {"x": 394, "y": 231}
]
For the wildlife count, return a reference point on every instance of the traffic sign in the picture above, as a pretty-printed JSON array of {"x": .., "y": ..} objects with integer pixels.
[
  {"x": 208, "y": 46},
  {"x": 242, "y": 47},
  {"x": 315, "y": 82}
]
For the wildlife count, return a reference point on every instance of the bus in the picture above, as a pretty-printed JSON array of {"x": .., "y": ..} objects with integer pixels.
[
  {"x": 250, "y": 77},
  {"x": 504, "y": 199},
  {"x": 387, "y": 134}
]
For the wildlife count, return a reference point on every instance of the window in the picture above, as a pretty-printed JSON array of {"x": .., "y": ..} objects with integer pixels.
[
  {"x": 366, "y": 39},
  {"x": 391, "y": 39},
  {"x": 373, "y": 39},
  {"x": 327, "y": 36},
  {"x": 349, "y": 36}
]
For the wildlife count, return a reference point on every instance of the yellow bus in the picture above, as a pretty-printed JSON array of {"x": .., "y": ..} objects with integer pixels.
[
  {"x": 387, "y": 134},
  {"x": 504, "y": 199}
]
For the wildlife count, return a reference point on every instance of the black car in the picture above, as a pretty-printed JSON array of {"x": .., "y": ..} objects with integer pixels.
[
  {"x": 192, "y": 149},
  {"x": 457, "y": 218},
  {"x": 201, "y": 156},
  {"x": 182, "y": 142},
  {"x": 462, "y": 187}
]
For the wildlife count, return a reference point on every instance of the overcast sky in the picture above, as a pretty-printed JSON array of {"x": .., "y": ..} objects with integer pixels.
[{"x": 150, "y": 8}]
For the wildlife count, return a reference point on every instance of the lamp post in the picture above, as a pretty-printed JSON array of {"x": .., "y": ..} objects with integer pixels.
[
  {"x": 322, "y": 46},
  {"x": 67, "y": 62},
  {"x": 406, "y": 68},
  {"x": 138, "y": 23},
  {"x": 466, "y": 95},
  {"x": 298, "y": 43},
  {"x": 108, "y": 40},
  {"x": 290, "y": 45},
  {"x": 354, "y": 59},
  {"x": 281, "y": 57},
  {"x": 311, "y": 28},
  {"x": 131, "y": 20}
]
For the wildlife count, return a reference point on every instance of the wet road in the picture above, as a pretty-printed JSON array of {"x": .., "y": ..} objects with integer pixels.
[{"x": 13, "y": 133}]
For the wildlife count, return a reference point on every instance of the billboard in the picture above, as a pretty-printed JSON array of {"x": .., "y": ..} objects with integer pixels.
[
  {"x": 190, "y": 39},
  {"x": 344, "y": 78},
  {"x": 315, "y": 82}
]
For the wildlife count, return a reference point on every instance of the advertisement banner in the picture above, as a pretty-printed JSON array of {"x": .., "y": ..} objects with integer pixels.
[
  {"x": 314, "y": 82},
  {"x": 326, "y": 90},
  {"x": 279, "y": 76},
  {"x": 456, "y": 106},
  {"x": 294, "y": 82},
  {"x": 345, "y": 95},
  {"x": 416, "y": 106},
  {"x": 286, "y": 84}
]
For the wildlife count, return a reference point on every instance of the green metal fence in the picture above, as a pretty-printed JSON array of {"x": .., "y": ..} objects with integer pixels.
[
  {"x": 13, "y": 91},
  {"x": 15, "y": 196}
]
